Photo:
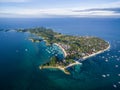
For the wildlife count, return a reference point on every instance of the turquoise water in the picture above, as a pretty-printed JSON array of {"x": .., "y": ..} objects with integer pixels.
[{"x": 20, "y": 58}]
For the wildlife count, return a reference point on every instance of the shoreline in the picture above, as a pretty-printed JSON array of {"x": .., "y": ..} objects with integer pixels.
[
  {"x": 63, "y": 69},
  {"x": 55, "y": 67},
  {"x": 85, "y": 57},
  {"x": 73, "y": 64},
  {"x": 94, "y": 54},
  {"x": 76, "y": 62},
  {"x": 65, "y": 54}
]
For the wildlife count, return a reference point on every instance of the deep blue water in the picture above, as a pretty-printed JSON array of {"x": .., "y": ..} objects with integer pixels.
[{"x": 20, "y": 58}]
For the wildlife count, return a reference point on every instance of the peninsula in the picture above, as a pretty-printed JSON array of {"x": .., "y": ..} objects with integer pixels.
[{"x": 75, "y": 48}]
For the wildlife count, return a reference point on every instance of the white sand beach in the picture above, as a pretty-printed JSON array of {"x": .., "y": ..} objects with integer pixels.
[
  {"x": 56, "y": 67},
  {"x": 72, "y": 64},
  {"x": 99, "y": 52},
  {"x": 65, "y": 54}
]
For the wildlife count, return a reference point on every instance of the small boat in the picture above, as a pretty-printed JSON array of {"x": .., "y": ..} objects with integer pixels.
[
  {"x": 103, "y": 75},
  {"x": 107, "y": 75},
  {"x": 26, "y": 50},
  {"x": 116, "y": 66},
  {"x": 115, "y": 86}
]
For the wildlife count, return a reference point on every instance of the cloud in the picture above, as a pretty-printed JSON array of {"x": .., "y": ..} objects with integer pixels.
[
  {"x": 115, "y": 10},
  {"x": 106, "y": 12},
  {"x": 17, "y": 1}
]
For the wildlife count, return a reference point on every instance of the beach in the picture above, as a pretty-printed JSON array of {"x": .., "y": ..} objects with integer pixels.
[
  {"x": 72, "y": 64},
  {"x": 62, "y": 68},
  {"x": 65, "y": 54},
  {"x": 99, "y": 52},
  {"x": 56, "y": 67},
  {"x": 85, "y": 57}
]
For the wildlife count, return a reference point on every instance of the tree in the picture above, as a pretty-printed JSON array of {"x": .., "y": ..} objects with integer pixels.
[{"x": 53, "y": 61}]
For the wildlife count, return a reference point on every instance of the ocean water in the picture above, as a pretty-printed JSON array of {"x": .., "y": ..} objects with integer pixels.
[{"x": 20, "y": 58}]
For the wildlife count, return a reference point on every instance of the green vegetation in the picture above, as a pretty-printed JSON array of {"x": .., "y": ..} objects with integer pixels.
[
  {"x": 76, "y": 47},
  {"x": 55, "y": 62}
]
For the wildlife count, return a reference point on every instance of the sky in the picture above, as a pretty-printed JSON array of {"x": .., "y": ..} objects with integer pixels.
[{"x": 59, "y": 8}]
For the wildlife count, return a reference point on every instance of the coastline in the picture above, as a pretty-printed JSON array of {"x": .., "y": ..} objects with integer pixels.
[
  {"x": 55, "y": 67},
  {"x": 85, "y": 57},
  {"x": 99, "y": 52},
  {"x": 72, "y": 64},
  {"x": 65, "y": 54},
  {"x": 61, "y": 68}
]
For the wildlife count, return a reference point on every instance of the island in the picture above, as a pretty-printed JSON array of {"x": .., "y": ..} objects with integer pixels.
[{"x": 75, "y": 48}]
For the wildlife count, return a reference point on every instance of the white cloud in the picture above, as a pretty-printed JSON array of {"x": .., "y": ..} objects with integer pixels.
[
  {"x": 105, "y": 5},
  {"x": 30, "y": 12},
  {"x": 55, "y": 12}
]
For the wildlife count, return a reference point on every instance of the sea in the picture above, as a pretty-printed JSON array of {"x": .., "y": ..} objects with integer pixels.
[{"x": 20, "y": 58}]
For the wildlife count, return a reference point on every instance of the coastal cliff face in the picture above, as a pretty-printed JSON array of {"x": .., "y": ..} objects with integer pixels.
[{"x": 73, "y": 47}]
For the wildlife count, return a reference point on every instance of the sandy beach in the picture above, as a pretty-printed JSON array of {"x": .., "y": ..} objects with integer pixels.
[
  {"x": 99, "y": 52},
  {"x": 65, "y": 54},
  {"x": 56, "y": 67},
  {"x": 72, "y": 64},
  {"x": 59, "y": 67},
  {"x": 85, "y": 57}
]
